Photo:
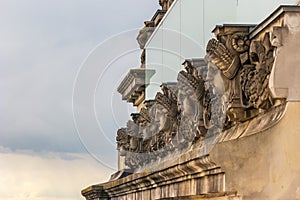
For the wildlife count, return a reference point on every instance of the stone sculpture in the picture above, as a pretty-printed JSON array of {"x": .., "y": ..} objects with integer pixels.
[
  {"x": 245, "y": 71},
  {"x": 227, "y": 125},
  {"x": 145, "y": 33},
  {"x": 230, "y": 88}
]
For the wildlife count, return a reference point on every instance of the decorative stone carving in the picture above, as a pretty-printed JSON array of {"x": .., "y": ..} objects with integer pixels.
[
  {"x": 284, "y": 35},
  {"x": 230, "y": 87},
  {"x": 228, "y": 96},
  {"x": 190, "y": 97},
  {"x": 255, "y": 77},
  {"x": 133, "y": 131},
  {"x": 142, "y": 118},
  {"x": 240, "y": 42},
  {"x": 122, "y": 141},
  {"x": 169, "y": 127},
  {"x": 245, "y": 68},
  {"x": 165, "y": 4},
  {"x": 151, "y": 130},
  {"x": 132, "y": 88},
  {"x": 222, "y": 58},
  {"x": 214, "y": 114},
  {"x": 145, "y": 33}
]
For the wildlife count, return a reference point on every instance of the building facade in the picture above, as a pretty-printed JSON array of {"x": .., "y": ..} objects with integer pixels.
[{"x": 222, "y": 126}]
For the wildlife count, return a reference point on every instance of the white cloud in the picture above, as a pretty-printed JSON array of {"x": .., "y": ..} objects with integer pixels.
[
  {"x": 49, "y": 176},
  {"x": 43, "y": 45}
]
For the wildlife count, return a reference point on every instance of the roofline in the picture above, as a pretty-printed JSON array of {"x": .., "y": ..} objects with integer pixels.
[
  {"x": 234, "y": 25},
  {"x": 156, "y": 13},
  {"x": 272, "y": 17},
  {"x": 160, "y": 23}
]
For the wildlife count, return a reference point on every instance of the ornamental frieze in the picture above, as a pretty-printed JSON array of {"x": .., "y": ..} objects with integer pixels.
[{"x": 229, "y": 87}]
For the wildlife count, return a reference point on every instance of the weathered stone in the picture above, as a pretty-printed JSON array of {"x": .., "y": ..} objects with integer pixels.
[
  {"x": 227, "y": 129},
  {"x": 145, "y": 33},
  {"x": 132, "y": 88}
]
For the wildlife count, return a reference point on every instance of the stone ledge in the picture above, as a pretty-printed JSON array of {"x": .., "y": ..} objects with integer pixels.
[
  {"x": 272, "y": 18},
  {"x": 158, "y": 16},
  {"x": 213, "y": 196},
  {"x": 200, "y": 173},
  {"x": 134, "y": 83}
]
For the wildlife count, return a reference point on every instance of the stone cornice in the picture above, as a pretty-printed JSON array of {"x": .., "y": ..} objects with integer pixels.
[
  {"x": 272, "y": 18},
  {"x": 233, "y": 27},
  {"x": 159, "y": 14},
  {"x": 134, "y": 83},
  {"x": 201, "y": 168}
]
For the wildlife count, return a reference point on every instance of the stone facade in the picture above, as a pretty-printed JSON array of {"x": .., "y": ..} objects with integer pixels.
[
  {"x": 132, "y": 88},
  {"x": 227, "y": 129}
]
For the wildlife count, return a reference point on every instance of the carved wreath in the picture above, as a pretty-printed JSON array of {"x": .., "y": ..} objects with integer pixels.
[{"x": 240, "y": 42}]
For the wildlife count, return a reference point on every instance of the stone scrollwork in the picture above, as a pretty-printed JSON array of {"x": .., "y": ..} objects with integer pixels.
[
  {"x": 255, "y": 77},
  {"x": 191, "y": 91}
]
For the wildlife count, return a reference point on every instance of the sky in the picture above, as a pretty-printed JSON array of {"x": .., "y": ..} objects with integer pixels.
[
  {"x": 61, "y": 62},
  {"x": 45, "y": 49}
]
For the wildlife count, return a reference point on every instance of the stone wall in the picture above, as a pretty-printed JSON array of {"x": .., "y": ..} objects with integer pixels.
[{"x": 265, "y": 165}]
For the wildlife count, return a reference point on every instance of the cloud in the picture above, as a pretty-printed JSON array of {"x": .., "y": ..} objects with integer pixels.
[
  {"x": 48, "y": 176},
  {"x": 43, "y": 46}
]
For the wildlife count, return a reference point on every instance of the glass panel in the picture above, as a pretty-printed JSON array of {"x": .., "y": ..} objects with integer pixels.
[
  {"x": 187, "y": 28},
  {"x": 255, "y": 11}
]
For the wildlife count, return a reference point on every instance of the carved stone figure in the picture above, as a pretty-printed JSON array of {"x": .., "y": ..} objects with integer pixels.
[
  {"x": 122, "y": 141},
  {"x": 169, "y": 120},
  {"x": 246, "y": 71},
  {"x": 190, "y": 99},
  {"x": 142, "y": 118},
  {"x": 143, "y": 58},
  {"x": 231, "y": 87},
  {"x": 230, "y": 53},
  {"x": 227, "y": 62},
  {"x": 145, "y": 34},
  {"x": 214, "y": 101},
  {"x": 133, "y": 131}
]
